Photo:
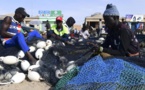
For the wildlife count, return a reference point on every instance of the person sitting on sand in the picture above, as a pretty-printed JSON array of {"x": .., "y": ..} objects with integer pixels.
[
  {"x": 59, "y": 31},
  {"x": 11, "y": 34}
]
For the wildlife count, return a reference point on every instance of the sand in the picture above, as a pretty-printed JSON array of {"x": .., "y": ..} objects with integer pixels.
[{"x": 26, "y": 85}]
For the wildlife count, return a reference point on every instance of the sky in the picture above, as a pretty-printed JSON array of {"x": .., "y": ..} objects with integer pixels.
[{"x": 78, "y": 9}]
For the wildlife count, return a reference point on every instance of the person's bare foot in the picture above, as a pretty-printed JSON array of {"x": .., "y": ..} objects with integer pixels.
[{"x": 31, "y": 59}]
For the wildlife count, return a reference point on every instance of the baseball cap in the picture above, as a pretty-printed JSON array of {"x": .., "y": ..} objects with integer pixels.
[
  {"x": 59, "y": 18},
  {"x": 22, "y": 11}
]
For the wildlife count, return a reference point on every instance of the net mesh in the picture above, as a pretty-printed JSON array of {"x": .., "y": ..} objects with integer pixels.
[
  {"x": 61, "y": 83},
  {"x": 111, "y": 74},
  {"x": 67, "y": 53}
]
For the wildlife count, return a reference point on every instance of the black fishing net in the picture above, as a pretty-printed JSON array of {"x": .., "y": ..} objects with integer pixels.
[
  {"x": 58, "y": 56},
  {"x": 7, "y": 71}
]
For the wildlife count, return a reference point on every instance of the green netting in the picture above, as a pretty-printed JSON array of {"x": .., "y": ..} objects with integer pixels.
[{"x": 62, "y": 82}]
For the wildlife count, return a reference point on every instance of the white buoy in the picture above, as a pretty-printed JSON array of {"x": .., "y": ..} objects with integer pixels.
[
  {"x": 47, "y": 47},
  {"x": 70, "y": 62},
  {"x": 18, "y": 78},
  {"x": 59, "y": 73},
  {"x": 34, "y": 76},
  {"x": 39, "y": 53},
  {"x": 39, "y": 62},
  {"x": 10, "y": 60},
  {"x": 80, "y": 40},
  {"x": 70, "y": 67},
  {"x": 21, "y": 54},
  {"x": 48, "y": 42},
  {"x": 32, "y": 67},
  {"x": 41, "y": 44},
  {"x": 98, "y": 41},
  {"x": 25, "y": 65},
  {"x": 63, "y": 44},
  {"x": 101, "y": 39},
  {"x": 32, "y": 49},
  {"x": 1, "y": 58},
  {"x": 1, "y": 67}
]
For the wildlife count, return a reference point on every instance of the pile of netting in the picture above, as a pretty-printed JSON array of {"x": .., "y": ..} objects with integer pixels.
[
  {"x": 58, "y": 57},
  {"x": 55, "y": 58},
  {"x": 110, "y": 74},
  {"x": 7, "y": 71}
]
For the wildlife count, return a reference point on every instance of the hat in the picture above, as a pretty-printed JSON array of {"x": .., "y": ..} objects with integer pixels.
[
  {"x": 59, "y": 18},
  {"x": 22, "y": 11},
  {"x": 111, "y": 10}
]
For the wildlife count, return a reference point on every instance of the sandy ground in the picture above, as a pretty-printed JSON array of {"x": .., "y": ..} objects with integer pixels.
[{"x": 26, "y": 85}]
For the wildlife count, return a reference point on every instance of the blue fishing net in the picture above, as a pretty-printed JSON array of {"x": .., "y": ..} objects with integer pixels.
[{"x": 111, "y": 74}]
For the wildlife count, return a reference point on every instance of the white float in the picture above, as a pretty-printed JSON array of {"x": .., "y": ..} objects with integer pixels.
[
  {"x": 48, "y": 42},
  {"x": 34, "y": 76},
  {"x": 59, "y": 73},
  {"x": 101, "y": 39},
  {"x": 41, "y": 44},
  {"x": 32, "y": 49},
  {"x": 47, "y": 47},
  {"x": 18, "y": 78},
  {"x": 70, "y": 67},
  {"x": 10, "y": 60},
  {"x": 32, "y": 67},
  {"x": 21, "y": 54},
  {"x": 39, "y": 53},
  {"x": 25, "y": 65},
  {"x": 39, "y": 63}
]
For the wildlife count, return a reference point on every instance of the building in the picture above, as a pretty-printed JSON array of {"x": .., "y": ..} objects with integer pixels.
[
  {"x": 40, "y": 18},
  {"x": 78, "y": 27},
  {"x": 26, "y": 20},
  {"x": 96, "y": 20}
]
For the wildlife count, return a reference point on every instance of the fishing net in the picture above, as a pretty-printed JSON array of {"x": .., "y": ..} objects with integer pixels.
[
  {"x": 7, "y": 71},
  {"x": 111, "y": 74},
  {"x": 8, "y": 51},
  {"x": 51, "y": 62},
  {"x": 61, "y": 83}
]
